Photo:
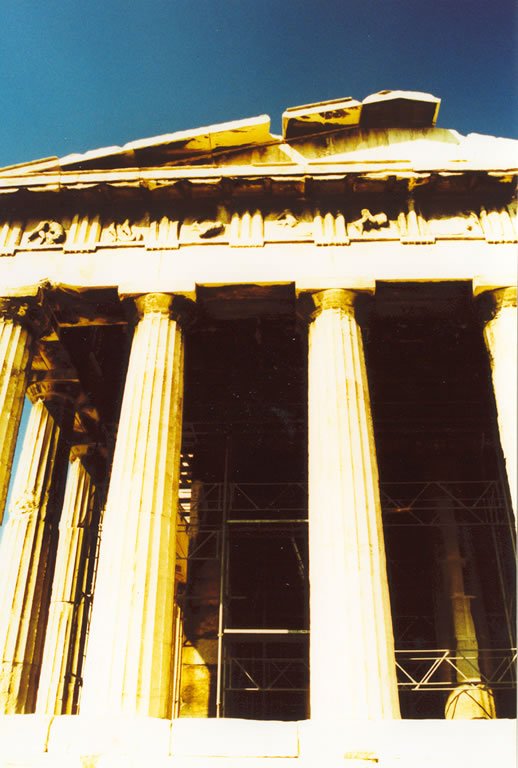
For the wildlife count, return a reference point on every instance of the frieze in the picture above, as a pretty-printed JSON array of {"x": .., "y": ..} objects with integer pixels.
[
  {"x": 10, "y": 236},
  {"x": 288, "y": 225},
  {"x": 247, "y": 229},
  {"x": 83, "y": 235},
  {"x": 122, "y": 232},
  {"x": 413, "y": 226},
  {"x": 206, "y": 227},
  {"x": 163, "y": 234},
  {"x": 410, "y": 223},
  {"x": 329, "y": 228},
  {"x": 373, "y": 224},
  {"x": 498, "y": 225},
  {"x": 464, "y": 225},
  {"x": 46, "y": 233}
]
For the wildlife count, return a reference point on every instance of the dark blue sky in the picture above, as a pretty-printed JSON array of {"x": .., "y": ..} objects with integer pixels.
[{"x": 80, "y": 75}]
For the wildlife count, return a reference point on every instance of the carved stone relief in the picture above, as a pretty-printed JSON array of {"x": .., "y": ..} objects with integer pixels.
[
  {"x": 206, "y": 228},
  {"x": 288, "y": 225},
  {"x": 49, "y": 232},
  {"x": 415, "y": 223},
  {"x": 373, "y": 224},
  {"x": 121, "y": 232},
  {"x": 456, "y": 225}
]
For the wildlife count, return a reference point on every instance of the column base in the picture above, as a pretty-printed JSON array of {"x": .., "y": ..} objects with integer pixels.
[
  {"x": 18, "y": 684},
  {"x": 472, "y": 701}
]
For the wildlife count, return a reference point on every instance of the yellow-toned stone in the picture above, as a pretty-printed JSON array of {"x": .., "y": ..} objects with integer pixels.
[
  {"x": 501, "y": 338},
  {"x": 27, "y": 552},
  {"x": 129, "y": 662},
  {"x": 233, "y": 738},
  {"x": 198, "y": 679},
  {"x": 59, "y": 680},
  {"x": 470, "y": 702},
  {"x": 15, "y": 362},
  {"x": 352, "y": 662},
  {"x": 381, "y": 195},
  {"x": 23, "y": 738}
]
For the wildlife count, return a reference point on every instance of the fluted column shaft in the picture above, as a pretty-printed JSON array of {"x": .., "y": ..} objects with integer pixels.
[
  {"x": 500, "y": 336},
  {"x": 462, "y": 618},
  {"x": 59, "y": 679},
  {"x": 15, "y": 364},
  {"x": 27, "y": 555},
  {"x": 130, "y": 655},
  {"x": 352, "y": 661},
  {"x": 470, "y": 699}
]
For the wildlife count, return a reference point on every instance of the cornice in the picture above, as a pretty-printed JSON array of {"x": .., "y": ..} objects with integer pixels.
[{"x": 149, "y": 178}]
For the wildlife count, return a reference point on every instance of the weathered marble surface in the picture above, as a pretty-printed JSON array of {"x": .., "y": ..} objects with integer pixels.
[{"x": 38, "y": 741}]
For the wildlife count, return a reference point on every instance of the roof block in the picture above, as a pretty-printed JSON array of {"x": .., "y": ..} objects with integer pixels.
[
  {"x": 386, "y": 109},
  {"x": 322, "y": 116},
  {"x": 399, "y": 109},
  {"x": 173, "y": 147}
]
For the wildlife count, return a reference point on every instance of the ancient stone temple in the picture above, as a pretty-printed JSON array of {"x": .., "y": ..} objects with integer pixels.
[{"x": 263, "y": 510}]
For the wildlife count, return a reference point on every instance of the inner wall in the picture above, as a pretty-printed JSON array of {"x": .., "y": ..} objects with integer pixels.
[
  {"x": 437, "y": 444},
  {"x": 245, "y": 416},
  {"x": 245, "y": 474}
]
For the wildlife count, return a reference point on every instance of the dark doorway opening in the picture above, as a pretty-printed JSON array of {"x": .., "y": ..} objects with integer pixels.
[
  {"x": 443, "y": 491},
  {"x": 245, "y": 602}
]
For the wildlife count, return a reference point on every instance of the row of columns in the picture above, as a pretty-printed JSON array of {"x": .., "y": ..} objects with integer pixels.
[
  {"x": 129, "y": 663},
  {"x": 28, "y": 545}
]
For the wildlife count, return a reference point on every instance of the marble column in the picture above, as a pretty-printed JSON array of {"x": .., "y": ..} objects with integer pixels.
[
  {"x": 28, "y": 545},
  {"x": 59, "y": 679},
  {"x": 129, "y": 661},
  {"x": 15, "y": 364},
  {"x": 500, "y": 336},
  {"x": 352, "y": 660}
]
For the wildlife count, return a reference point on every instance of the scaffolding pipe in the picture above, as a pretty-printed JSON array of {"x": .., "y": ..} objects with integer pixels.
[{"x": 222, "y": 585}]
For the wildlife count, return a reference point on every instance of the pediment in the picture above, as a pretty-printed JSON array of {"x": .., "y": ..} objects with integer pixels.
[{"x": 390, "y": 129}]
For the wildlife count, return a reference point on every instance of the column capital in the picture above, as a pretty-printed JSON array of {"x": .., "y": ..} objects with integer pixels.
[
  {"x": 91, "y": 457},
  {"x": 313, "y": 303},
  {"x": 175, "y": 306},
  {"x": 503, "y": 297},
  {"x": 28, "y": 311},
  {"x": 81, "y": 451},
  {"x": 56, "y": 391},
  {"x": 15, "y": 308},
  {"x": 493, "y": 300}
]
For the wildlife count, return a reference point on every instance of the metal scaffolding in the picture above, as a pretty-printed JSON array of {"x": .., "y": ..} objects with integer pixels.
[{"x": 247, "y": 662}]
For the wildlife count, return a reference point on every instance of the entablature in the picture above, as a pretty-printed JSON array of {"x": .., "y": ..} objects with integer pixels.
[{"x": 359, "y": 209}]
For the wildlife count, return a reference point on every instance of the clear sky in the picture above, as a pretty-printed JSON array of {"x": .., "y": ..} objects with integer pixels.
[{"x": 79, "y": 75}]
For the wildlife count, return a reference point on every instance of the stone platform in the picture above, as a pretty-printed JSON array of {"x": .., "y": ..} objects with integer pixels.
[{"x": 37, "y": 741}]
